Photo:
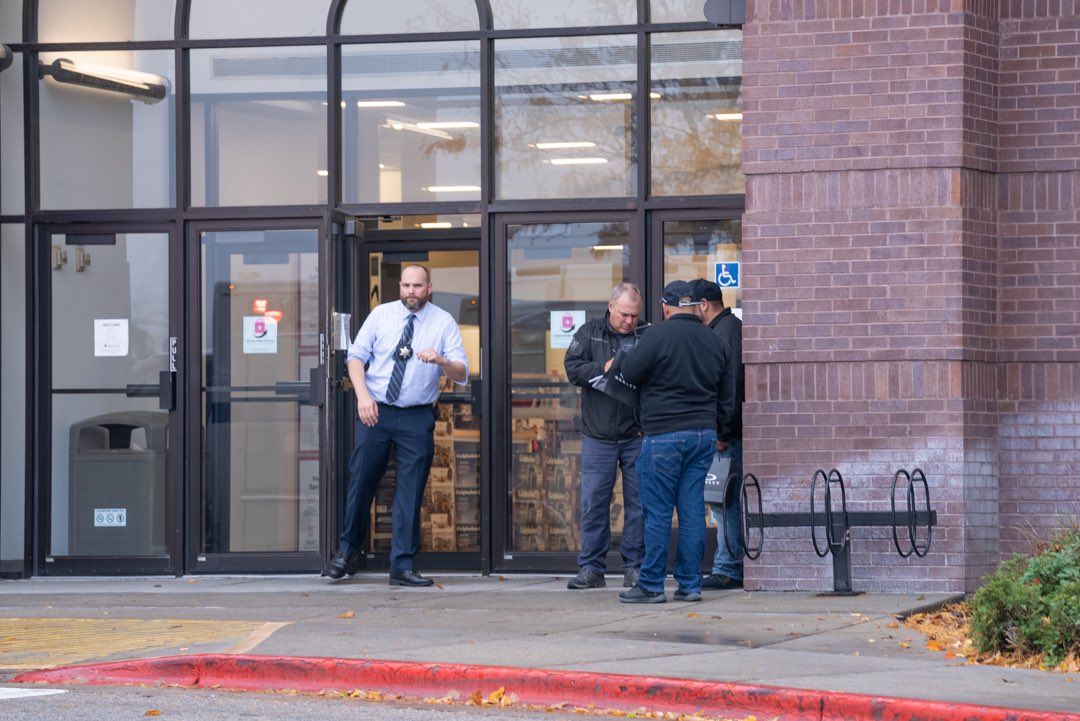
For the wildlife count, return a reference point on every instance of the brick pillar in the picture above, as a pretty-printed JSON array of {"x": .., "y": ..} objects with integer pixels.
[{"x": 871, "y": 261}]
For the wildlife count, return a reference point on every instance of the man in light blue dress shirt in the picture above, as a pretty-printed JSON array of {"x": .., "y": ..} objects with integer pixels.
[{"x": 406, "y": 422}]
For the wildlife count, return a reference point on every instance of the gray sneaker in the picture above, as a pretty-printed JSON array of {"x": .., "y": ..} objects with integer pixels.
[
  {"x": 630, "y": 577},
  {"x": 681, "y": 595},
  {"x": 637, "y": 594},
  {"x": 586, "y": 578},
  {"x": 720, "y": 582}
]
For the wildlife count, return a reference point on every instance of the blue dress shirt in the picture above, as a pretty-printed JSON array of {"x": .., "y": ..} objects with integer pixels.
[{"x": 377, "y": 341}]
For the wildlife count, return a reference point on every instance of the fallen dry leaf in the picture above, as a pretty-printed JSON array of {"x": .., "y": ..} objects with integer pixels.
[
  {"x": 347, "y": 614},
  {"x": 152, "y": 712}
]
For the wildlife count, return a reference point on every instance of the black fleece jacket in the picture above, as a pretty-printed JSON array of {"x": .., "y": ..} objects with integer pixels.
[
  {"x": 682, "y": 370},
  {"x": 602, "y": 417}
]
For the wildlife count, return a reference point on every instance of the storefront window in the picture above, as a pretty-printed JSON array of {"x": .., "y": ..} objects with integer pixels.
[
  {"x": 561, "y": 275},
  {"x": 258, "y": 126},
  {"x": 411, "y": 122},
  {"x": 13, "y": 428},
  {"x": 528, "y": 14},
  {"x": 373, "y": 17},
  {"x": 257, "y": 18},
  {"x": 706, "y": 249},
  {"x": 12, "y": 157},
  {"x": 107, "y": 134},
  {"x": 695, "y": 99},
  {"x": 676, "y": 11},
  {"x": 79, "y": 21},
  {"x": 564, "y": 114}
]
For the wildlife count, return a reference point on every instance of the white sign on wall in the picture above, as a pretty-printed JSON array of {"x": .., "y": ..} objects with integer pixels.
[
  {"x": 260, "y": 334},
  {"x": 110, "y": 517},
  {"x": 110, "y": 336},
  {"x": 564, "y": 323}
]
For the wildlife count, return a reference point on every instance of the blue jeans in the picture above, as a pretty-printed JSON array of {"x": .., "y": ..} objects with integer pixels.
[
  {"x": 724, "y": 563},
  {"x": 671, "y": 475},
  {"x": 599, "y": 461}
]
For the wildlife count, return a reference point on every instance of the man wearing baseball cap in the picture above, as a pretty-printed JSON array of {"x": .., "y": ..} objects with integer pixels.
[
  {"x": 679, "y": 366},
  {"x": 727, "y": 566}
]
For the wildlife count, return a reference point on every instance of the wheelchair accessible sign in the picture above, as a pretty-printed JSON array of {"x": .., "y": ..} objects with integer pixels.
[{"x": 727, "y": 274}]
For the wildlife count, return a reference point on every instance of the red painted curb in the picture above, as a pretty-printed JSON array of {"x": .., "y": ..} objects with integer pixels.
[{"x": 529, "y": 686}]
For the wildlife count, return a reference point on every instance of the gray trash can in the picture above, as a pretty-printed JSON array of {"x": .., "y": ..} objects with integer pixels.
[{"x": 117, "y": 484}]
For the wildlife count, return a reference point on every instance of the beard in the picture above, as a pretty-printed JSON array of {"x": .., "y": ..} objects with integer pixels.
[{"x": 414, "y": 303}]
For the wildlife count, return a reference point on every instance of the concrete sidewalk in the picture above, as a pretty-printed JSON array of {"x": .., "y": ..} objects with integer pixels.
[{"x": 802, "y": 641}]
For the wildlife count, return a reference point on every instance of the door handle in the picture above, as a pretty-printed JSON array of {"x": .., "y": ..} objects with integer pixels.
[
  {"x": 309, "y": 393},
  {"x": 164, "y": 390}
]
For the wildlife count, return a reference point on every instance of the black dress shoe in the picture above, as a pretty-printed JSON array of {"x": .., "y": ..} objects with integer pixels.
[
  {"x": 344, "y": 563},
  {"x": 409, "y": 578}
]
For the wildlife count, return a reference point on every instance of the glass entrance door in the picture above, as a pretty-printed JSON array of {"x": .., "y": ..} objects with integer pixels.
[
  {"x": 451, "y": 518},
  {"x": 559, "y": 274},
  {"x": 259, "y": 502},
  {"x": 111, "y": 497}
]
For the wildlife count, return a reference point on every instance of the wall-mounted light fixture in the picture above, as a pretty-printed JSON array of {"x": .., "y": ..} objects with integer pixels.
[
  {"x": 147, "y": 87},
  {"x": 6, "y": 57}
]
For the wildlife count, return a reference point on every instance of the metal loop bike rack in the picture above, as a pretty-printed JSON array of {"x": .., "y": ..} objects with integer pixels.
[
  {"x": 838, "y": 521},
  {"x": 915, "y": 477}
]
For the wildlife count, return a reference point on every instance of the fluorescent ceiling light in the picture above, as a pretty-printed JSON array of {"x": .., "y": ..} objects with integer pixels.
[
  {"x": 436, "y": 226},
  {"x": 148, "y": 87},
  {"x": 727, "y": 116},
  {"x": 565, "y": 145},
  {"x": 607, "y": 97},
  {"x": 379, "y": 104},
  {"x": 413, "y": 127},
  {"x": 453, "y": 189},
  {"x": 449, "y": 124},
  {"x": 607, "y": 247},
  {"x": 655, "y": 96},
  {"x": 322, "y": 173},
  {"x": 576, "y": 161}
]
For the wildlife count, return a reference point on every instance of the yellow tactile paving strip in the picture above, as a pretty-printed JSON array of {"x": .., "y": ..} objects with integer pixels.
[{"x": 27, "y": 643}]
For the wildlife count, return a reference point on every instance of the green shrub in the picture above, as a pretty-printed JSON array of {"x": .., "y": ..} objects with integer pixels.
[{"x": 1031, "y": 604}]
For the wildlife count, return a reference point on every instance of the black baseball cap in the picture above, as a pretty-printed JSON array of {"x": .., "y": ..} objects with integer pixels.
[
  {"x": 675, "y": 291},
  {"x": 702, "y": 289}
]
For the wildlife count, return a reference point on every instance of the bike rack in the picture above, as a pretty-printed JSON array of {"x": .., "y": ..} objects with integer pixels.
[{"x": 838, "y": 521}]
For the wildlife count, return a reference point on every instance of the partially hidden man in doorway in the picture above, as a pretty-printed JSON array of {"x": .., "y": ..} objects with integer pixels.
[{"x": 396, "y": 390}]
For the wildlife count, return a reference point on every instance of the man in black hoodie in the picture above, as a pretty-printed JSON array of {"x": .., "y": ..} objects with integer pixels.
[
  {"x": 681, "y": 369},
  {"x": 611, "y": 438}
]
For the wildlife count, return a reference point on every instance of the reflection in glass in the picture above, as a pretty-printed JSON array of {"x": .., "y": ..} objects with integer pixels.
[
  {"x": 676, "y": 11},
  {"x": 450, "y": 517},
  {"x": 375, "y": 17},
  {"x": 109, "y": 334},
  {"x": 124, "y": 278},
  {"x": 12, "y": 159},
  {"x": 411, "y": 121},
  {"x": 261, "y": 480},
  {"x": 11, "y": 16},
  {"x": 13, "y": 384},
  {"x": 564, "y": 117},
  {"x": 79, "y": 21},
  {"x": 257, "y": 18},
  {"x": 529, "y": 14},
  {"x": 697, "y": 248},
  {"x": 105, "y": 149},
  {"x": 697, "y": 113},
  {"x": 561, "y": 275},
  {"x": 258, "y": 126}
]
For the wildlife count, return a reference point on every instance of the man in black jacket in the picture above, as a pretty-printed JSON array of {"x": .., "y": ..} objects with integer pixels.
[
  {"x": 611, "y": 440},
  {"x": 681, "y": 369},
  {"x": 727, "y": 562},
  {"x": 727, "y": 567}
]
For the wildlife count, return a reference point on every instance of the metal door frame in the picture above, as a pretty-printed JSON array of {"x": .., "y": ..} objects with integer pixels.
[
  {"x": 40, "y": 374},
  {"x": 195, "y": 561}
]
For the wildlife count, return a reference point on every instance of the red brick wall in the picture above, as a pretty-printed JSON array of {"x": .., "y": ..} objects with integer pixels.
[
  {"x": 1039, "y": 258},
  {"x": 871, "y": 304}
]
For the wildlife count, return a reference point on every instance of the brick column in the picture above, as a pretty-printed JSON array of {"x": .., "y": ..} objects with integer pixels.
[{"x": 871, "y": 260}]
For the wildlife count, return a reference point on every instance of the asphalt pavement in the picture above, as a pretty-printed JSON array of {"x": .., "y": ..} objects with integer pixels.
[{"x": 805, "y": 647}]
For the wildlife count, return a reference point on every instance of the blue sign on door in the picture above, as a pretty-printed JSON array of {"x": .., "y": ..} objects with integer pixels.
[{"x": 727, "y": 274}]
